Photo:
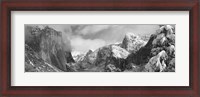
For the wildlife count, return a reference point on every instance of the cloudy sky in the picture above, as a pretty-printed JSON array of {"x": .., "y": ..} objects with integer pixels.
[{"x": 85, "y": 37}]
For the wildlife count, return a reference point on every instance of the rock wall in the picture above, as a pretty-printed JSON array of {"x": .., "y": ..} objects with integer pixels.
[{"x": 49, "y": 44}]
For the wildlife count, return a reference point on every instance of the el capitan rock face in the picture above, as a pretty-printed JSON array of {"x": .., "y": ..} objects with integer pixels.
[
  {"x": 34, "y": 63},
  {"x": 52, "y": 53},
  {"x": 49, "y": 45}
]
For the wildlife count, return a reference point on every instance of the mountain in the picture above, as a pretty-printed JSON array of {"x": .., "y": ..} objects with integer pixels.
[
  {"x": 132, "y": 42},
  {"x": 162, "y": 41},
  {"x": 78, "y": 56},
  {"x": 50, "y": 46},
  {"x": 111, "y": 58},
  {"x": 47, "y": 50},
  {"x": 99, "y": 59},
  {"x": 112, "y": 54}
]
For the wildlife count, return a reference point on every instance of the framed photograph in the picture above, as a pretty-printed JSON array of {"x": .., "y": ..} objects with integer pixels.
[{"x": 140, "y": 48}]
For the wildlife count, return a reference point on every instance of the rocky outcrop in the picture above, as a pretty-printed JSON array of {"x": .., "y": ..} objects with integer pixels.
[
  {"x": 132, "y": 43},
  {"x": 49, "y": 44},
  {"x": 164, "y": 39},
  {"x": 170, "y": 51},
  {"x": 112, "y": 68},
  {"x": 86, "y": 61},
  {"x": 112, "y": 55},
  {"x": 105, "y": 59},
  {"x": 119, "y": 52},
  {"x": 91, "y": 56},
  {"x": 170, "y": 65},
  {"x": 157, "y": 63}
]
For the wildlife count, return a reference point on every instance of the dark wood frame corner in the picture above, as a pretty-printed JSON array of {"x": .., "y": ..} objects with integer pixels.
[{"x": 193, "y": 90}]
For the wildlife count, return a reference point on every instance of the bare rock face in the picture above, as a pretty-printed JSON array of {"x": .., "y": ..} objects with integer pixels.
[
  {"x": 119, "y": 52},
  {"x": 49, "y": 44},
  {"x": 132, "y": 43},
  {"x": 157, "y": 63},
  {"x": 112, "y": 55},
  {"x": 34, "y": 63}
]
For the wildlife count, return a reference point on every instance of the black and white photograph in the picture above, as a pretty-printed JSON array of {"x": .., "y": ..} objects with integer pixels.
[{"x": 99, "y": 47}]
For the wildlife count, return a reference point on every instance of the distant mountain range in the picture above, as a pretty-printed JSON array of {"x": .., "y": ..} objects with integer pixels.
[{"x": 46, "y": 51}]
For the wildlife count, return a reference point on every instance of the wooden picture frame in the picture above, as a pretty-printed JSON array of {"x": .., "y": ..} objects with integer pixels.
[{"x": 193, "y": 90}]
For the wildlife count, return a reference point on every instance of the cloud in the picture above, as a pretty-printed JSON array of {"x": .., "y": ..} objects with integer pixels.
[
  {"x": 83, "y": 45},
  {"x": 113, "y": 33},
  {"x": 84, "y": 37},
  {"x": 91, "y": 29}
]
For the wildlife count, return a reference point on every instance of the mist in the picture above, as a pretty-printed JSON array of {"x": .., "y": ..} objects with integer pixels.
[{"x": 81, "y": 38}]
